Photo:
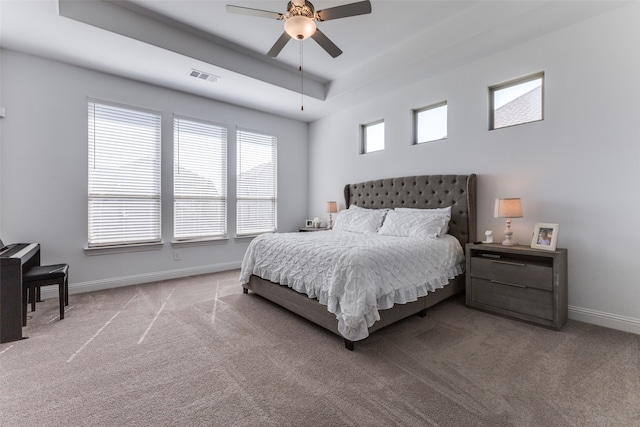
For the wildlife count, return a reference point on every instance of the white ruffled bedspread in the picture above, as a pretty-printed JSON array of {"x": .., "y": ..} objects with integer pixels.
[{"x": 353, "y": 274}]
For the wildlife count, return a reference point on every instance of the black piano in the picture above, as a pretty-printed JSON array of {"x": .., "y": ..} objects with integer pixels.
[{"x": 15, "y": 259}]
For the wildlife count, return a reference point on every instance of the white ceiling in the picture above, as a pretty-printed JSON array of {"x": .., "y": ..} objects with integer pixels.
[{"x": 160, "y": 41}]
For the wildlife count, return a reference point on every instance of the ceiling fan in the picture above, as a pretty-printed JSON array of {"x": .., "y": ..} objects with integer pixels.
[{"x": 300, "y": 22}]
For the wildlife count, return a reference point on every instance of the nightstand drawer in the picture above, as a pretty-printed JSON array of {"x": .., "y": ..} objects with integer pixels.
[
  {"x": 523, "y": 300},
  {"x": 513, "y": 271}
]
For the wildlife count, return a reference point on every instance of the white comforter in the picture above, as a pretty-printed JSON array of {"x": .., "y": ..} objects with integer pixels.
[{"x": 353, "y": 274}]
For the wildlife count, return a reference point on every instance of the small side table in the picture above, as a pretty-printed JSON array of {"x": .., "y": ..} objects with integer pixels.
[{"x": 304, "y": 229}]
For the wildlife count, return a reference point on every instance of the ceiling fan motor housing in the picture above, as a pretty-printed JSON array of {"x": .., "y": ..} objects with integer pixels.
[
  {"x": 299, "y": 25},
  {"x": 304, "y": 9}
]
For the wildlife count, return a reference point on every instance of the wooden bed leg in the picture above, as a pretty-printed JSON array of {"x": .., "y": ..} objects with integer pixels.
[
  {"x": 348, "y": 344},
  {"x": 423, "y": 313},
  {"x": 245, "y": 290}
]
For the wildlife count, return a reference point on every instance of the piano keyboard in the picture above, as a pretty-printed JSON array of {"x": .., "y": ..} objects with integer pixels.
[{"x": 25, "y": 250}]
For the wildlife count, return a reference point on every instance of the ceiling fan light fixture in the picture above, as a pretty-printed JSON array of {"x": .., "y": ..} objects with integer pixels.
[
  {"x": 299, "y": 27},
  {"x": 300, "y": 22}
]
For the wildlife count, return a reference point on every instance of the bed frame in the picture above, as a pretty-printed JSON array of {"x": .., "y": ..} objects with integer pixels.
[{"x": 424, "y": 192}]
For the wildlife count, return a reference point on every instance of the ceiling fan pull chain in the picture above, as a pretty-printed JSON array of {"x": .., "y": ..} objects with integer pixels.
[{"x": 301, "y": 80}]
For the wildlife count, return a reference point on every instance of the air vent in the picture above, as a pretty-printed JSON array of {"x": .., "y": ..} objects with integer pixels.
[{"x": 204, "y": 76}]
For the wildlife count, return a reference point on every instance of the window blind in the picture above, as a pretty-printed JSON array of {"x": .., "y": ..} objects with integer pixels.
[
  {"x": 199, "y": 180},
  {"x": 124, "y": 176},
  {"x": 256, "y": 183}
]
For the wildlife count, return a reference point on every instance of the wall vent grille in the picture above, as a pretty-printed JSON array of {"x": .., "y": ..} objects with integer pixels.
[{"x": 204, "y": 76}]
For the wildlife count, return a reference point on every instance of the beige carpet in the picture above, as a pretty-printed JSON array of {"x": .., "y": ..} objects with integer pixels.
[{"x": 197, "y": 352}]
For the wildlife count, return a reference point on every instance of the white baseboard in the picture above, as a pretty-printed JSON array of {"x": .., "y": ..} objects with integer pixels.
[
  {"x": 608, "y": 320},
  {"x": 116, "y": 282}
]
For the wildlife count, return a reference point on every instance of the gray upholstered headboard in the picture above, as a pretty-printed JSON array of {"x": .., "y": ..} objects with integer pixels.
[{"x": 423, "y": 192}]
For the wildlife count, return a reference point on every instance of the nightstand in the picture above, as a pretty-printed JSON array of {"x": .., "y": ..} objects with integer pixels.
[
  {"x": 519, "y": 282},
  {"x": 312, "y": 229}
]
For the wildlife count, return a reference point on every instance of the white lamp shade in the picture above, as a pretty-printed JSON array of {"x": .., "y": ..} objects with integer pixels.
[
  {"x": 331, "y": 207},
  {"x": 508, "y": 208},
  {"x": 300, "y": 27}
]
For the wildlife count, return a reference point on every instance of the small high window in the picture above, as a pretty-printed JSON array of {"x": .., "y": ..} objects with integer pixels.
[
  {"x": 516, "y": 102},
  {"x": 430, "y": 123},
  {"x": 373, "y": 137}
]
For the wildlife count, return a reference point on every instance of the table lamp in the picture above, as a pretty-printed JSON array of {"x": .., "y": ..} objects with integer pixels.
[
  {"x": 331, "y": 207},
  {"x": 508, "y": 208}
]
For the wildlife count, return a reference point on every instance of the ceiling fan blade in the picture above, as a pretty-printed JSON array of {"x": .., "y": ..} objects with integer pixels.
[
  {"x": 254, "y": 12},
  {"x": 326, "y": 44},
  {"x": 352, "y": 9},
  {"x": 280, "y": 43}
]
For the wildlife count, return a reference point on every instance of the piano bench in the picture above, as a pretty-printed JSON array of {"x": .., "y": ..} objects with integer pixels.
[{"x": 44, "y": 275}]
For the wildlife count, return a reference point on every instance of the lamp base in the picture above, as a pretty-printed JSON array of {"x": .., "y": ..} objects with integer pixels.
[{"x": 507, "y": 235}]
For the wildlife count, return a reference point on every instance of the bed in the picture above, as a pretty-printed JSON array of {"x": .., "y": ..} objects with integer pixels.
[{"x": 425, "y": 192}]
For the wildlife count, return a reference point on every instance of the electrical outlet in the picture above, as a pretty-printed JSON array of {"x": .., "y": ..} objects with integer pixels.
[{"x": 176, "y": 256}]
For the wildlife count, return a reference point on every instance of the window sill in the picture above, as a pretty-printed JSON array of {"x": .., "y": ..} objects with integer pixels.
[
  {"x": 107, "y": 250},
  {"x": 244, "y": 237},
  {"x": 200, "y": 242}
]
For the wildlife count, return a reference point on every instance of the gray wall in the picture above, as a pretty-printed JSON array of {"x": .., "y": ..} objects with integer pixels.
[
  {"x": 577, "y": 168},
  {"x": 43, "y": 175}
]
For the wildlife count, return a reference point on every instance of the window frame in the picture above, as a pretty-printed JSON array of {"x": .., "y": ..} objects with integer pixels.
[
  {"x": 511, "y": 83},
  {"x": 273, "y": 221},
  {"x": 220, "y": 131},
  {"x": 363, "y": 136},
  {"x": 97, "y": 240},
  {"x": 415, "y": 114}
]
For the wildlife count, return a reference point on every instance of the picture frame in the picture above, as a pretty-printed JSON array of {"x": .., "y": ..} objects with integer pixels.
[
  {"x": 308, "y": 223},
  {"x": 545, "y": 236}
]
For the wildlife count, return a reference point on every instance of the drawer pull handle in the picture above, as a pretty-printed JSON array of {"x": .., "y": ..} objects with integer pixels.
[
  {"x": 519, "y": 264},
  {"x": 494, "y": 256},
  {"x": 508, "y": 284}
]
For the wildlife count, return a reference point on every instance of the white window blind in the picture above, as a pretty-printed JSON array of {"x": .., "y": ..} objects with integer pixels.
[
  {"x": 124, "y": 176},
  {"x": 199, "y": 179},
  {"x": 256, "y": 183}
]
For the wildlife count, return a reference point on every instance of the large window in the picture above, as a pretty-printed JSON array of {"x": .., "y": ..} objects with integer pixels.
[
  {"x": 256, "y": 183},
  {"x": 430, "y": 123},
  {"x": 516, "y": 102},
  {"x": 124, "y": 175},
  {"x": 199, "y": 180},
  {"x": 373, "y": 137}
]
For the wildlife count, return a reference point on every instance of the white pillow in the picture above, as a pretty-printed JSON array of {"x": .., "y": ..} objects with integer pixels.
[
  {"x": 413, "y": 224},
  {"x": 432, "y": 212},
  {"x": 359, "y": 220}
]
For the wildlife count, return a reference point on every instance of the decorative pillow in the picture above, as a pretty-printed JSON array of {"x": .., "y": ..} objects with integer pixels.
[
  {"x": 432, "y": 212},
  {"x": 359, "y": 220},
  {"x": 414, "y": 224}
]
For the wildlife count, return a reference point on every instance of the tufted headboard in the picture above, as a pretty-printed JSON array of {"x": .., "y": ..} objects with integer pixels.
[{"x": 423, "y": 192}]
